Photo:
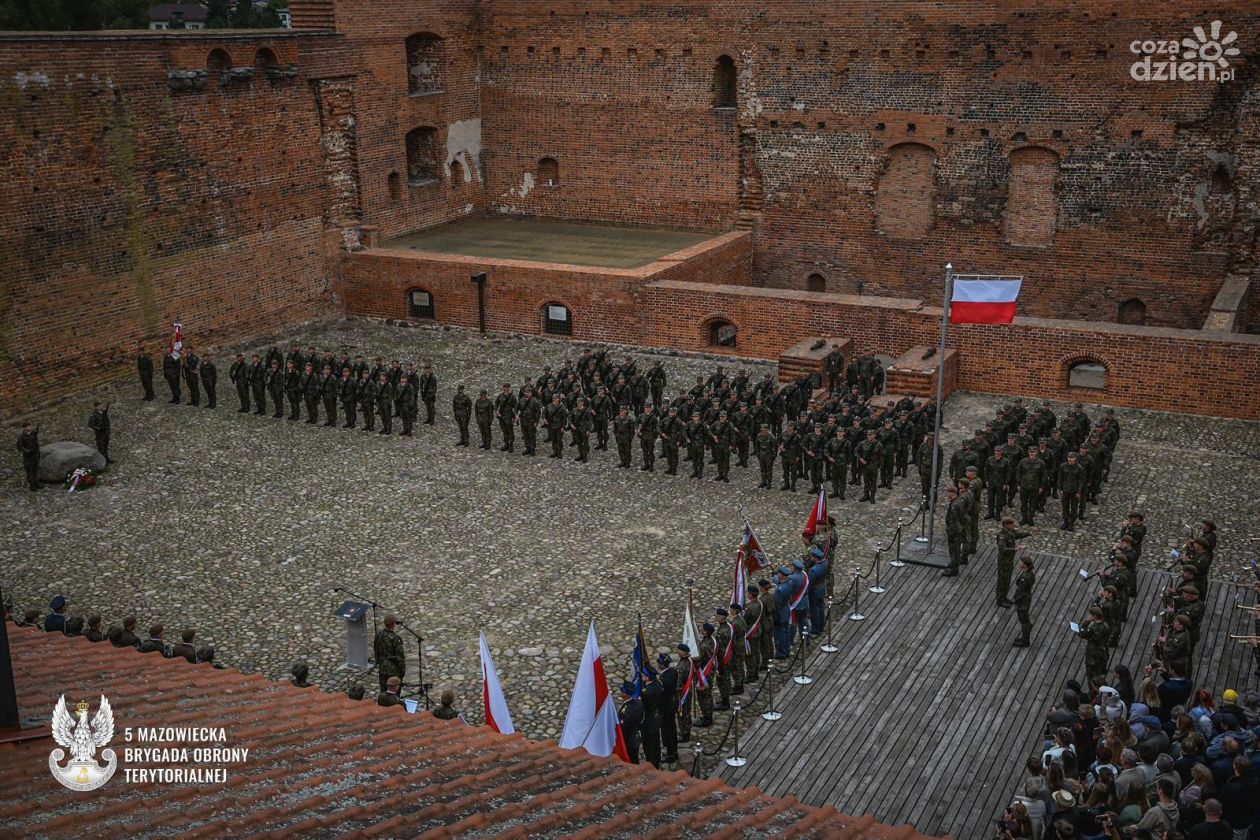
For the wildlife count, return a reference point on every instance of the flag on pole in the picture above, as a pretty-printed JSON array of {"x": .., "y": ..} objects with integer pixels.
[
  {"x": 592, "y": 720},
  {"x": 984, "y": 300},
  {"x": 177, "y": 340},
  {"x": 498, "y": 717},
  {"x": 749, "y": 559},
  {"x": 638, "y": 658},
  {"x": 817, "y": 515},
  {"x": 689, "y": 637}
]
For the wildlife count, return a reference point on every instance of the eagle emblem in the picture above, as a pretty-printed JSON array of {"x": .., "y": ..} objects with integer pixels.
[{"x": 82, "y": 739}]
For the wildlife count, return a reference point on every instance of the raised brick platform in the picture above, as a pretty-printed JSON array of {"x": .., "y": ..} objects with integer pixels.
[
  {"x": 914, "y": 372},
  {"x": 801, "y": 358}
]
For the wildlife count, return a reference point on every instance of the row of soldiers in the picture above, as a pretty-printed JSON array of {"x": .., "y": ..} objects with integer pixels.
[
  {"x": 1034, "y": 457},
  {"x": 1183, "y": 602},
  {"x": 735, "y": 649}
]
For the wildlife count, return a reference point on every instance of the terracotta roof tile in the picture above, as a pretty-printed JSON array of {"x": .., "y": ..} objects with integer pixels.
[{"x": 320, "y": 764}]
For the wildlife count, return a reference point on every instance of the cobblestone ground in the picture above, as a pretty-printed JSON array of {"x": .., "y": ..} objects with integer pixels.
[{"x": 242, "y": 526}]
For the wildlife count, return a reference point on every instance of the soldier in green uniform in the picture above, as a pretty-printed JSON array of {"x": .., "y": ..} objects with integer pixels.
[
  {"x": 348, "y": 394},
  {"x": 687, "y": 682},
  {"x": 789, "y": 455},
  {"x": 1007, "y": 544},
  {"x": 1177, "y": 647},
  {"x": 556, "y": 419},
  {"x": 647, "y": 432},
  {"x": 311, "y": 389},
  {"x": 889, "y": 440},
  {"x": 483, "y": 411},
  {"x": 1118, "y": 578},
  {"x": 752, "y": 633},
  {"x": 1097, "y": 636},
  {"x": 582, "y": 422},
  {"x": 623, "y": 433},
  {"x": 604, "y": 407},
  {"x": 1030, "y": 476},
  {"x": 238, "y": 374},
  {"x": 505, "y": 408},
  {"x": 739, "y": 631},
  {"x": 869, "y": 455},
  {"x": 767, "y": 621},
  {"x": 1112, "y": 614},
  {"x": 28, "y": 445},
  {"x": 1071, "y": 482},
  {"x": 836, "y": 453},
  {"x": 835, "y": 368},
  {"x": 766, "y": 448},
  {"x": 384, "y": 403},
  {"x": 408, "y": 404},
  {"x": 997, "y": 476},
  {"x": 1189, "y": 605},
  {"x": 462, "y": 408},
  {"x": 1024, "y": 582},
  {"x": 955, "y": 529},
  {"x": 724, "y": 639},
  {"x": 813, "y": 453},
  {"x": 721, "y": 439},
  {"x": 673, "y": 438},
  {"x": 696, "y": 436},
  {"x": 529, "y": 414},
  {"x": 974, "y": 487},
  {"x": 387, "y": 647},
  {"x": 923, "y": 461},
  {"x": 707, "y": 663},
  {"x": 427, "y": 387},
  {"x": 293, "y": 386}
]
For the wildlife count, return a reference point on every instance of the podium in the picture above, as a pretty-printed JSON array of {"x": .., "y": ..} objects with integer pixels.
[{"x": 354, "y": 615}]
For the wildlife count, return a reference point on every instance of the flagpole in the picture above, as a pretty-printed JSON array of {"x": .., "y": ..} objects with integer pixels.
[{"x": 940, "y": 392}]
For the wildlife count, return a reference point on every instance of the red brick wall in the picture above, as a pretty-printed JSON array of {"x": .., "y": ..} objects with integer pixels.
[{"x": 124, "y": 205}]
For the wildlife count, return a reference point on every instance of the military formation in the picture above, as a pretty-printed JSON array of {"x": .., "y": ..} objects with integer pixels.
[
  {"x": 842, "y": 438},
  {"x": 735, "y": 649}
]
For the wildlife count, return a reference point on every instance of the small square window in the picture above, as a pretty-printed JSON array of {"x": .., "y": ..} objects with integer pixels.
[{"x": 419, "y": 304}]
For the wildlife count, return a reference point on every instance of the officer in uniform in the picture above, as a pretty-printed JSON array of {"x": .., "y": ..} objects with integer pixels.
[
  {"x": 428, "y": 394},
  {"x": 603, "y": 406},
  {"x": 505, "y": 408},
  {"x": 623, "y": 433},
  {"x": 955, "y": 530},
  {"x": 652, "y": 697},
  {"x": 98, "y": 422},
  {"x": 530, "y": 413},
  {"x": 1097, "y": 637},
  {"x": 483, "y": 410},
  {"x": 1023, "y": 600},
  {"x": 789, "y": 455},
  {"x": 721, "y": 439},
  {"x": 923, "y": 460},
  {"x": 210, "y": 381},
  {"x": 408, "y": 406},
  {"x": 647, "y": 432},
  {"x": 836, "y": 454},
  {"x": 144, "y": 365},
  {"x": 273, "y": 383},
  {"x": 696, "y": 436},
  {"x": 739, "y": 631},
  {"x": 1030, "y": 476},
  {"x": 385, "y": 402},
  {"x": 28, "y": 445},
  {"x": 462, "y": 408},
  {"x": 238, "y": 374},
  {"x": 294, "y": 387},
  {"x": 752, "y": 633},
  {"x": 766, "y": 448},
  {"x": 687, "y": 682},
  {"x": 668, "y": 709},
  {"x": 192, "y": 376},
  {"x": 1007, "y": 544},
  {"x": 329, "y": 388},
  {"x": 556, "y": 418},
  {"x": 256, "y": 377},
  {"x": 997, "y": 475},
  {"x": 707, "y": 663},
  {"x": 347, "y": 391},
  {"x": 673, "y": 438},
  {"x": 171, "y": 372},
  {"x": 582, "y": 421},
  {"x": 819, "y": 575},
  {"x": 387, "y": 647},
  {"x": 1071, "y": 483},
  {"x": 869, "y": 455},
  {"x": 631, "y": 716}
]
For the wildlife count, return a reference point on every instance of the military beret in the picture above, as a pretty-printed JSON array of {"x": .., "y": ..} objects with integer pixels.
[
  {"x": 737, "y": 607},
  {"x": 1182, "y": 618},
  {"x": 752, "y": 590},
  {"x": 817, "y": 552},
  {"x": 722, "y": 611},
  {"x": 708, "y": 628},
  {"x": 58, "y": 602},
  {"x": 663, "y": 660},
  {"x": 627, "y": 688},
  {"x": 798, "y": 565},
  {"x": 685, "y": 648},
  {"x": 763, "y": 582},
  {"x": 785, "y": 571},
  {"x": 1111, "y": 589}
]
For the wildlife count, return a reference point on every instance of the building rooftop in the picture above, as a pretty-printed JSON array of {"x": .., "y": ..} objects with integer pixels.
[
  {"x": 194, "y": 12},
  {"x": 320, "y": 764}
]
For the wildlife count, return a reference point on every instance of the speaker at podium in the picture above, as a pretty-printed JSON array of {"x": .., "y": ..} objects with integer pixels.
[{"x": 354, "y": 615}]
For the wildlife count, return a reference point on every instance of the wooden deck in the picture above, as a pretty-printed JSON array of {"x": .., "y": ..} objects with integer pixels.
[{"x": 927, "y": 712}]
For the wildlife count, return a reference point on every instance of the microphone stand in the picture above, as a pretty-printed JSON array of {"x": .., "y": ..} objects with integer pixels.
[{"x": 424, "y": 688}]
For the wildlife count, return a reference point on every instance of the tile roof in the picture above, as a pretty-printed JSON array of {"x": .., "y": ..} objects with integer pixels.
[{"x": 321, "y": 764}]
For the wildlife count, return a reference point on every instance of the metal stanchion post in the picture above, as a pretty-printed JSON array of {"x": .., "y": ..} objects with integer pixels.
[
  {"x": 828, "y": 647},
  {"x": 922, "y": 538},
  {"x": 855, "y": 615},
  {"x": 897, "y": 562},
  {"x": 771, "y": 713},
  {"x": 803, "y": 678},
  {"x": 735, "y": 760},
  {"x": 877, "y": 589}
]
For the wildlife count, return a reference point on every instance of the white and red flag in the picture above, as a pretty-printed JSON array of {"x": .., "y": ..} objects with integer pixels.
[
  {"x": 177, "y": 340},
  {"x": 984, "y": 300},
  {"x": 498, "y": 717},
  {"x": 592, "y": 720},
  {"x": 749, "y": 559},
  {"x": 817, "y": 515}
]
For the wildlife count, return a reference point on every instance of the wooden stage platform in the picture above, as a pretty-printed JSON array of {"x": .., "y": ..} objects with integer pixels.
[{"x": 926, "y": 714}]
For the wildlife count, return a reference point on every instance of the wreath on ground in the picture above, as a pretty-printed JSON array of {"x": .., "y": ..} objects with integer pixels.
[{"x": 81, "y": 479}]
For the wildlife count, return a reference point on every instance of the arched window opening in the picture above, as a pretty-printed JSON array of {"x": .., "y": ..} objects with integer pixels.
[
  {"x": 1087, "y": 374},
  {"x": 722, "y": 333},
  {"x": 419, "y": 304},
  {"x": 816, "y": 283},
  {"x": 425, "y": 58},
  {"x": 548, "y": 172},
  {"x": 724, "y": 83},
  {"x": 557, "y": 319},
  {"x": 264, "y": 58},
  {"x": 218, "y": 61},
  {"x": 423, "y": 166},
  {"x": 1132, "y": 311}
]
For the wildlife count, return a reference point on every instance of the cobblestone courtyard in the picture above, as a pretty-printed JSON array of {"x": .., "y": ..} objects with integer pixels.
[{"x": 242, "y": 526}]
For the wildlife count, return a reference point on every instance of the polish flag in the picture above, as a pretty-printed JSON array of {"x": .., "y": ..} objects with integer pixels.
[
  {"x": 984, "y": 301},
  {"x": 177, "y": 340},
  {"x": 498, "y": 717},
  {"x": 592, "y": 721},
  {"x": 818, "y": 515}
]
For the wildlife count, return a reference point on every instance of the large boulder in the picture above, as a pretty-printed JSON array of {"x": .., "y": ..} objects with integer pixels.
[{"x": 57, "y": 460}]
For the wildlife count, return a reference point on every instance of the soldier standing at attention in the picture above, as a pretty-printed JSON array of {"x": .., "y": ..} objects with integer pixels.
[
  {"x": 669, "y": 709},
  {"x": 752, "y": 633},
  {"x": 997, "y": 476},
  {"x": 293, "y": 387},
  {"x": 530, "y": 414},
  {"x": 656, "y": 384},
  {"x": 789, "y": 455},
  {"x": 652, "y": 696},
  {"x": 813, "y": 445},
  {"x": 766, "y": 447},
  {"x": 631, "y": 717},
  {"x": 687, "y": 682},
  {"x": 428, "y": 393},
  {"x": 505, "y": 407},
  {"x": 238, "y": 374},
  {"x": 835, "y": 368},
  {"x": 923, "y": 460},
  {"x": 707, "y": 663},
  {"x": 836, "y": 453},
  {"x": 768, "y": 619},
  {"x": 739, "y": 632},
  {"x": 1023, "y": 601},
  {"x": 462, "y": 407},
  {"x": 1097, "y": 636},
  {"x": 408, "y": 407},
  {"x": 348, "y": 391},
  {"x": 210, "y": 379},
  {"x": 582, "y": 421},
  {"x": 367, "y": 400},
  {"x": 98, "y": 422},
  {"x": 385, "y": 402},
  {"x": 144, "y": 365},
  {"x": 1071, "y": 485},
  {"x": 311, "y": 387},
  {"x": 724, "y": 640},
  {"x": 483, "y": 410},
  {"x": 171, "y": 372},
  {"x": 1007, "y": 544},
  {"x": 28, "y": 445},
  {"x": 955, "y": 530},
  {"x": 258, "y": 384},
  {"x": 603, "y": 406},
  {"x": 329, "y": 389},
  {"x": 869, "y": 456},
  {"x": 192, "y": 376},
  {"x": 1031, "y": 479},
  {"x": 741, "y": 422},
  {"x": 556, "y": 419},
  {"x": 647, "y": 432},
  {"x": 696, "y": 436},
  {"x": 274, "y": 382},
  {"x": 387, "y": 647},
  {"x": 623, "y": 434}
]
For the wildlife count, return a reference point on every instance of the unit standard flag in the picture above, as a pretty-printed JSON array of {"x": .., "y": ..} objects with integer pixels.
[
  {"x": 817, "y": 515},
  {"x": 749, "y": 559},
  {"x": 498, "y": 717},
  {"x": 177, "y": 340},
  {"x": 592, "y": 720},
  {"x": 989, "y": 300}
]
